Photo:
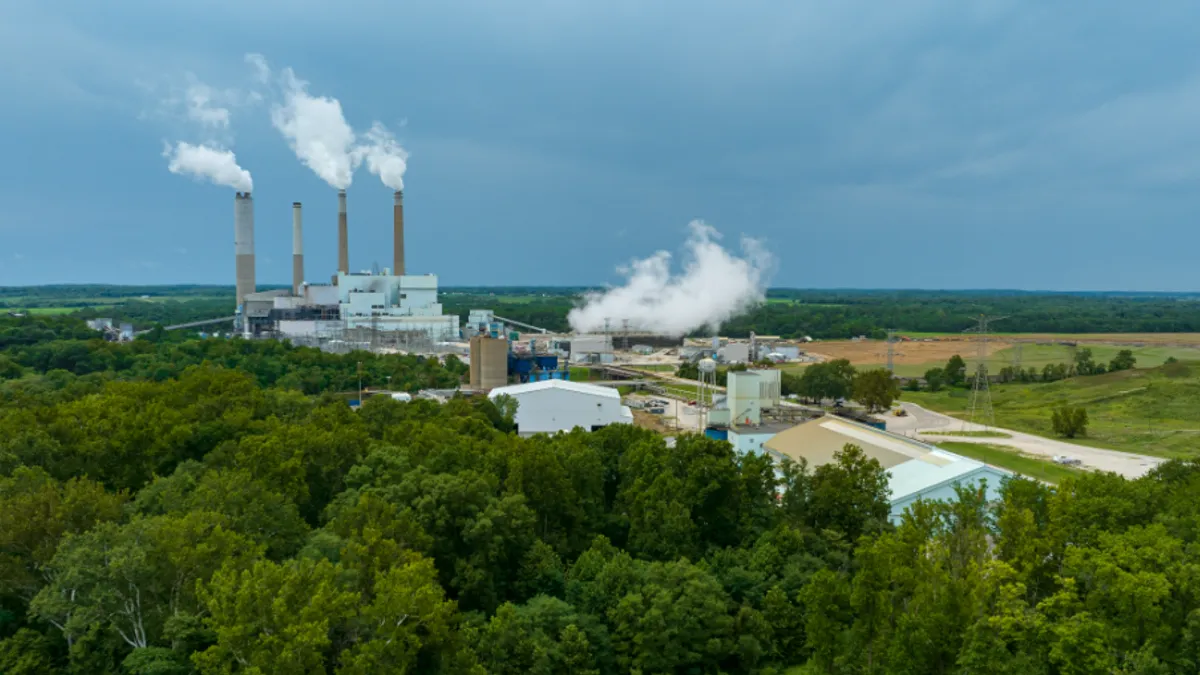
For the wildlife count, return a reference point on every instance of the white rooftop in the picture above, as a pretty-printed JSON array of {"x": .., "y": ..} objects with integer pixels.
[{"x": 564, "y": 385}]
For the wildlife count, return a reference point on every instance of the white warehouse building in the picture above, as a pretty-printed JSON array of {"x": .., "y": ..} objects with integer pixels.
[{"x": 550, "y": 406}]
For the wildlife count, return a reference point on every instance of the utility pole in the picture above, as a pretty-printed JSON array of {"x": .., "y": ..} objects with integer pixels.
[
  {"x": 979, "y": 410},
  {"x": 891, "y": 343}
]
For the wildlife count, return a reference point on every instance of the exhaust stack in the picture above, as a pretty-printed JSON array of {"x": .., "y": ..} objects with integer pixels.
[
  {"x": 243, "y": 244},
  {"x": 343, "y": 235},
  {"x": 297, "y": 250},
  {"x": 398, "y": 233}
]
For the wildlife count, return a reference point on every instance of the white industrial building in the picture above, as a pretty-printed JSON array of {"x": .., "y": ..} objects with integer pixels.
[
  {"x": 592, "y": 349},
  {"x": 383, "y": 302},
  {"x": 550, "y": 406}
]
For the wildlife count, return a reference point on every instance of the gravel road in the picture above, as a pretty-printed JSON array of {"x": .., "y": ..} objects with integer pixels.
[{"x": 920, "y": 420}]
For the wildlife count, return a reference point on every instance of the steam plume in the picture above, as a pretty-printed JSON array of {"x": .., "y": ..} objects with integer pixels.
[
  {"x": 316, "y": 130},
  {"x": 714, "y": 287},
  {"x": 385, "y": 158},
  {"x": 202, "y": 108},
  {"x": 204, "y": 161}
]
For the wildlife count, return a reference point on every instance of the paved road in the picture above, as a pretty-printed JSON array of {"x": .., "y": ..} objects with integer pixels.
[{"x": 921, "y": 420}]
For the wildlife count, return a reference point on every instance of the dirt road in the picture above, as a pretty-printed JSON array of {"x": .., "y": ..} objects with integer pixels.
[{"x": 921, "y": 420}]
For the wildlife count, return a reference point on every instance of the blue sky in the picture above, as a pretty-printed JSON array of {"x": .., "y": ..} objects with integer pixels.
[{"x": 910, "y": 143}]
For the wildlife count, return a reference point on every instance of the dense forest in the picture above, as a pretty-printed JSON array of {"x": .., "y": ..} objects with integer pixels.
[
  {"x": 188, "y": 507},
  {"x": 823, "y": 314},
  {"x": 849, "y": 313}
]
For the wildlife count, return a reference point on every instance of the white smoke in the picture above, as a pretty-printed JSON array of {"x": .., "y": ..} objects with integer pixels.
[
  {"x": 202, "y": 108},
  {"x": 713, "y": 287},
  {"x": 315, "y": 129},
  {"x": 385, "y": 157},
  {"x": 204, "y": 161}
]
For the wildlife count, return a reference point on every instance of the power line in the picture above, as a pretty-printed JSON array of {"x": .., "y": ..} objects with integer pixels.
[{"x": 979, "y": 410}]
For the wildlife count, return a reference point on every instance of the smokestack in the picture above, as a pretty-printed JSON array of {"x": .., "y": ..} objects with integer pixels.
[
  {"x": 398, "y": 233},
  {"x": 297, "y": 250},
  {"x": 243, "y": 244},
  {"x": 343, "y": 236}
]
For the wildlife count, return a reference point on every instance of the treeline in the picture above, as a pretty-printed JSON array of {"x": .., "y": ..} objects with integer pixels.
[
  {"x": 845, "y": 314},
  {"x": 49, "y": 351}
]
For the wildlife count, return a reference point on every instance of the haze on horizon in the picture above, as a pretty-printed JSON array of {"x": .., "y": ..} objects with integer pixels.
[{"x": 911, "y": 144}]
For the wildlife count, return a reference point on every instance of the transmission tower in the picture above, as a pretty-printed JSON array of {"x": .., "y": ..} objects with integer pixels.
[
  {"x": 891, "y": 342},
  {"x": 1017, "y": 359},
  {"x": 979, "y": 411}
]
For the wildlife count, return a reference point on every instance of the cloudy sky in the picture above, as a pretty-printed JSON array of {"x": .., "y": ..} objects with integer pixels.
[{"x": 909, "y": 143}]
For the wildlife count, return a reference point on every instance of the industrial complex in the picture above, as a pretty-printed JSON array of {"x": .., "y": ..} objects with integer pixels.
[{"x": 393, "y": 310}]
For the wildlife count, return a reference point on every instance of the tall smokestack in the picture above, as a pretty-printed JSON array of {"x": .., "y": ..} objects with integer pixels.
[
  {"x": 243, "y": 244},
  {"x": 343, "y": 236},
  {"x": 398, "y": 232},
  {"x": 297, "y": 250}
]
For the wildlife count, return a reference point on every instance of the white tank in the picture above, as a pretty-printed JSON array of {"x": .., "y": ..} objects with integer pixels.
[
  {"x": 401, "y": 396},
  {"x": 708, "y": 366}
]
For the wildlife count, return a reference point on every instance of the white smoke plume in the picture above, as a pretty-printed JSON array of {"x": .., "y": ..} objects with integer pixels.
[
  {"x": 385, "y": 157},
  {"x": 202, "y": 108},
  {"x": 714, "y": 286},
  {"x": 315, "y": 129},
  {"x": 204, "y": 161}
]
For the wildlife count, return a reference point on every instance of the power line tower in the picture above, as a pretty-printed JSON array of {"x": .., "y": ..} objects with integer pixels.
[
  {"x": 979, "y": 411},
  {"x": 1017, "y": 359},
  {"x": 891, "y": 342}
]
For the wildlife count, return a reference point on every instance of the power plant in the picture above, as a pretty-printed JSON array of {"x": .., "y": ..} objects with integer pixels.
[{"x": 356, "y": 310}]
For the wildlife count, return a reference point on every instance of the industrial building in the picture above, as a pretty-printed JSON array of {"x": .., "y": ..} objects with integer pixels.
[
  {"x": 915, "y": 470},
  {"x": 550, "y": 406},
  {"x": 356, "y": 308}
]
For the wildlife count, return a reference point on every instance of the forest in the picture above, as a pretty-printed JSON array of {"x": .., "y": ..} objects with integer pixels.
[
  {"x": 169, "y": 508},
  {"x": 790, "y": 313}
]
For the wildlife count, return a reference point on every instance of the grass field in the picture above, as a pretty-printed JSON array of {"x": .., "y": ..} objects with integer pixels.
[
  {"x": 969, "y": 434},
  {"x": 1007, "y": 458},
  {"x": 912, "y": 359},
  {"x": 1151, "y": 411}
]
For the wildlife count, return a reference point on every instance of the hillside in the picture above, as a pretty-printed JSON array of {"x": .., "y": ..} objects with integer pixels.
[{"x": 1155, "y": 411}]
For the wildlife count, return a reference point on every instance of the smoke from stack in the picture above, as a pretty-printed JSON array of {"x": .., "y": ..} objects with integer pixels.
[
  {"x": 315, "y": 128},
  {"x": 384, "y": 156},
  {"x": 398, "y": 232},
  {"x": 205, "y": 161},
  {"x": 243, "y": 244},
  {"x": 297, "y": 250},
  {"x": 714, "y": 287},
  {"x": 343, "y": 235}
]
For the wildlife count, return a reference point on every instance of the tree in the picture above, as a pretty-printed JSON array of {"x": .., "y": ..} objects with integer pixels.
[
  {"x": 876, "y": 389},
  {"x": 409, "y": 615},
  {"x": 850, "y": 494},
  {"x": 133, "y": 578},
  {"x": 828, "y": 380},
  {"x": 274, "y": 618},
  {"x": 678, "y": 621},
  {"x": 1069, "y": 421},
  {"x": 935, "y": 378},
  {"x": 546, "y": 635},
  {"x": 1084, "y": 363},
  {"x": 955, "y": 371},
  {"x": 1124, "y": 360}
]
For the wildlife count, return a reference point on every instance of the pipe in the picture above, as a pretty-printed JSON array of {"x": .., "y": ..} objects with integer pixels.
[
  {"x": 243, "y": 244},
  {"x": 297, "y": 250},
  {"x": 398, "y": 233},
  {"x": 343, "y": 235}
]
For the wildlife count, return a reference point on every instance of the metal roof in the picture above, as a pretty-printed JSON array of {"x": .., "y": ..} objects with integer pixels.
[
  {"x": 565, "y": 385},
  {"x": 912, "y": 466}
]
